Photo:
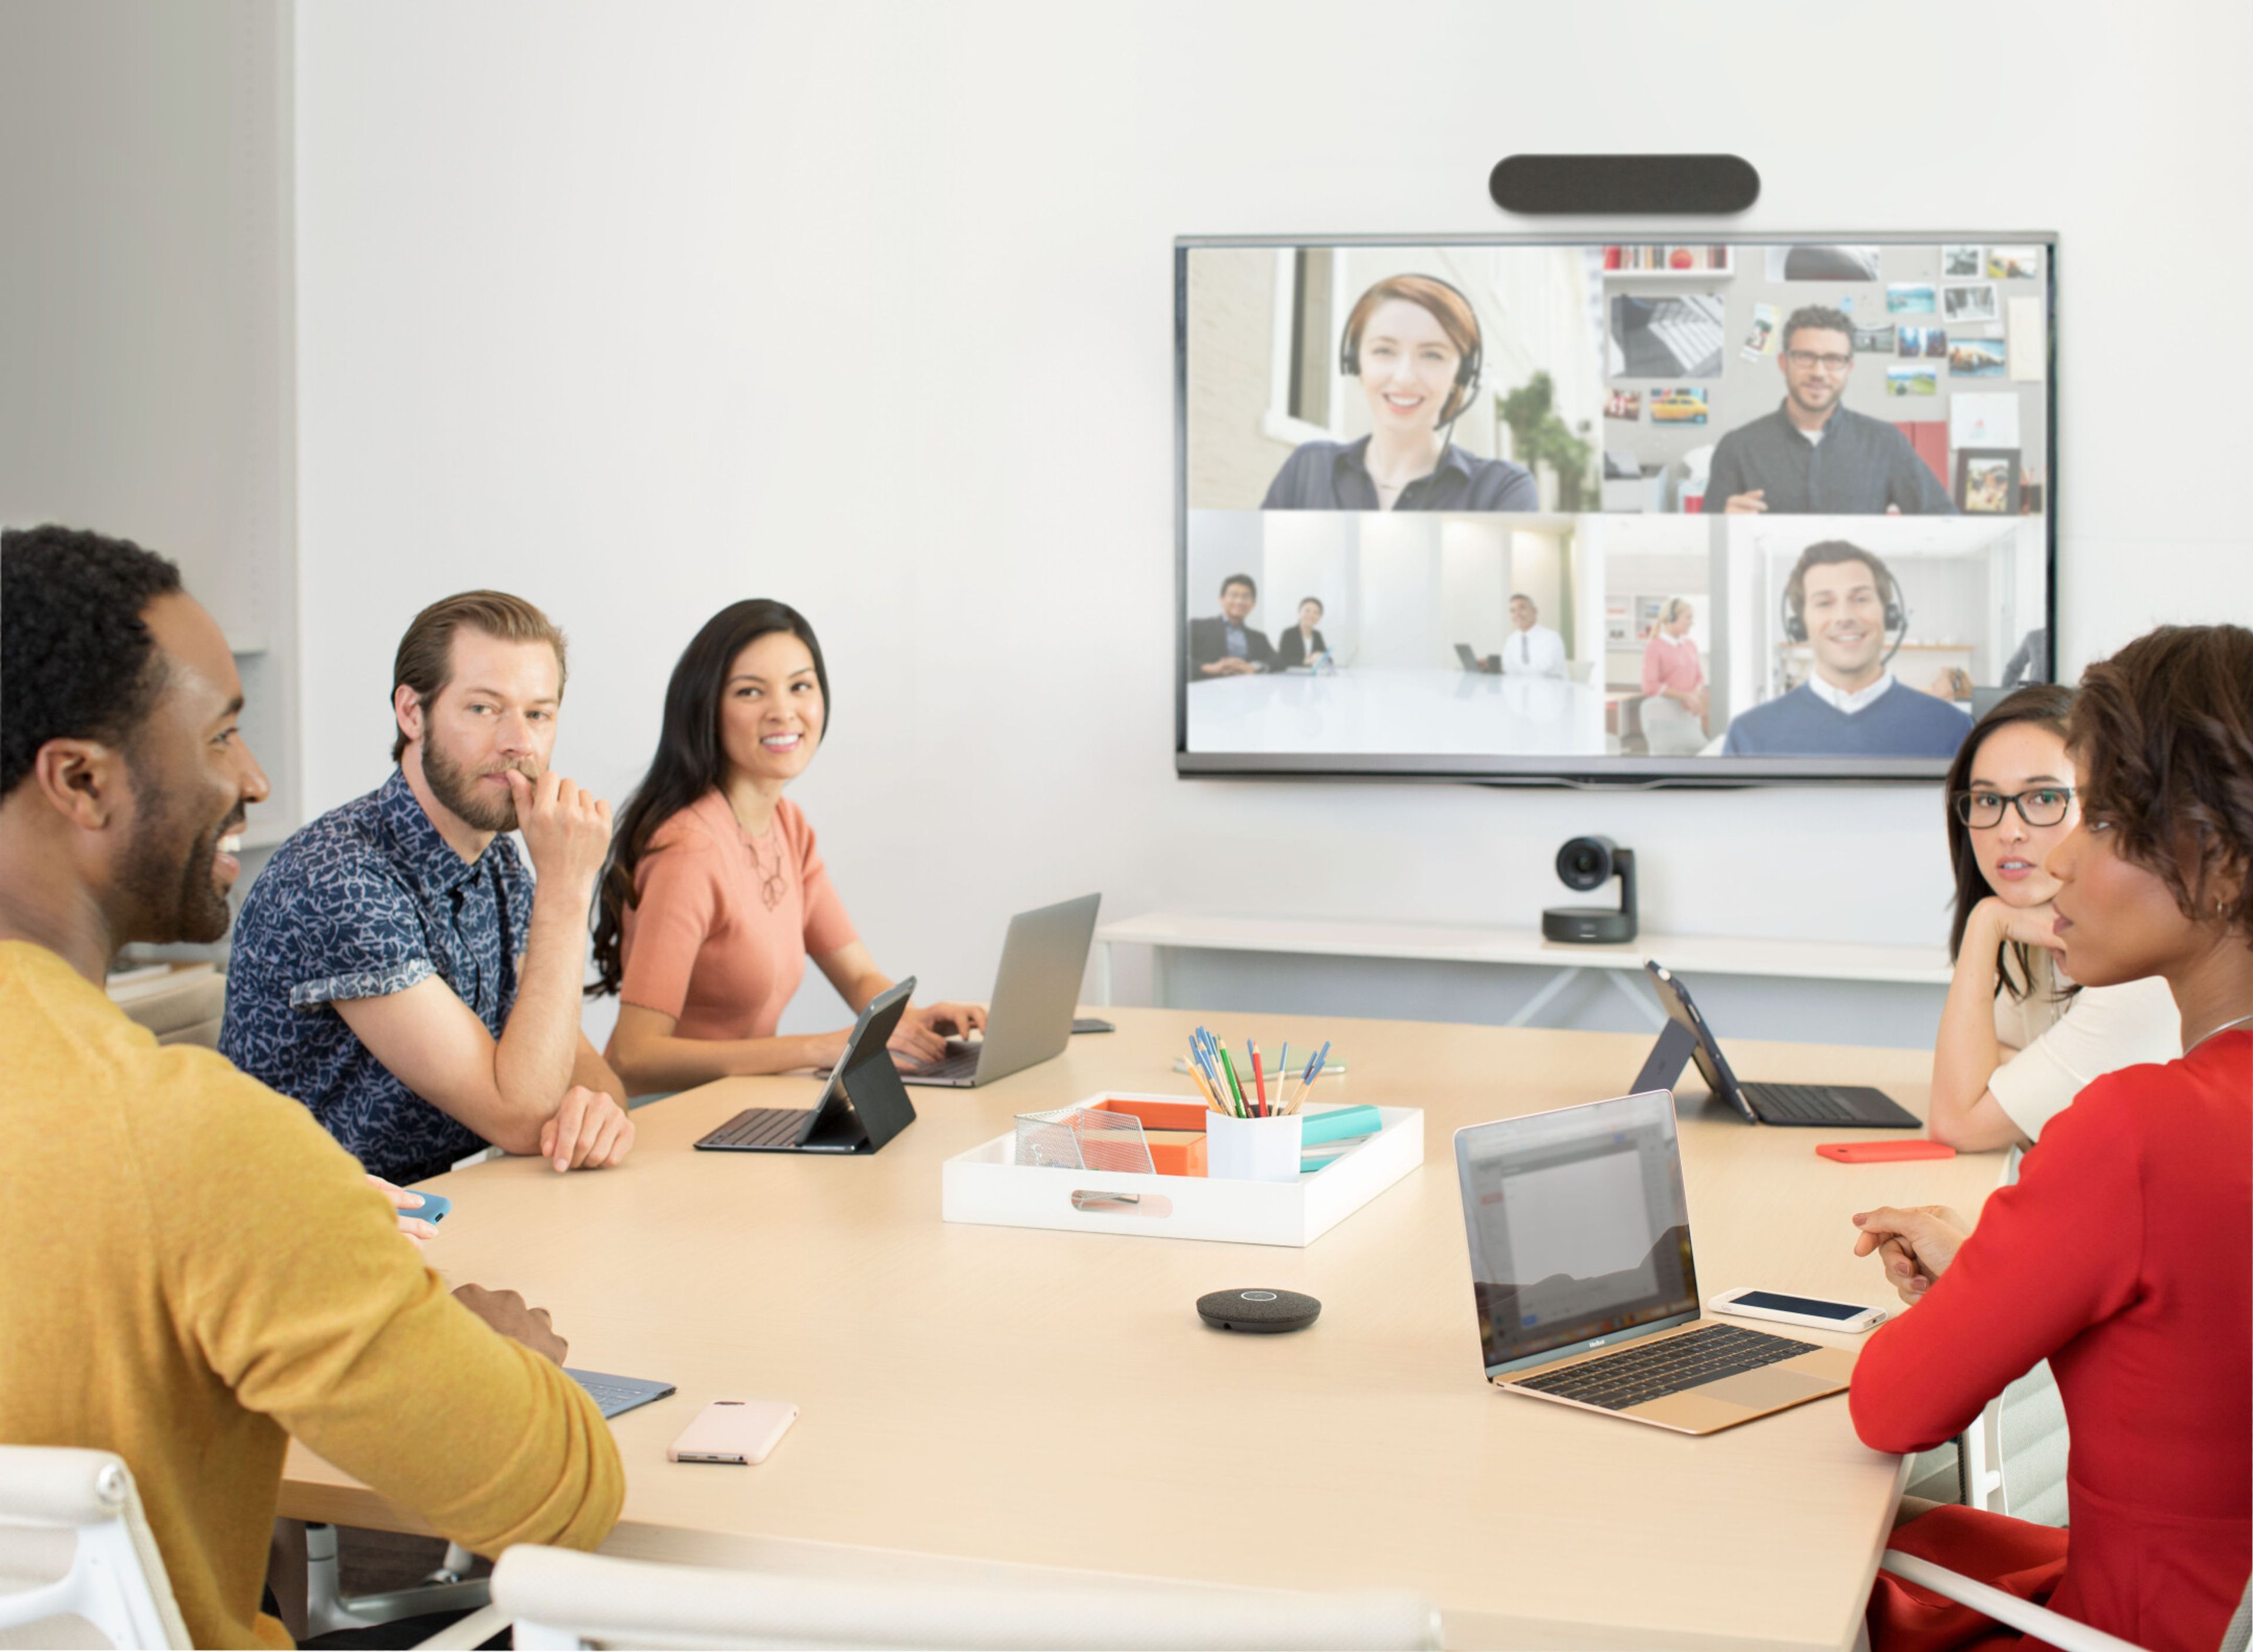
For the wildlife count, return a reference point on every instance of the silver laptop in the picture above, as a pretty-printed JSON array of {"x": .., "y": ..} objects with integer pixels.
[
  {"x": 1586, "y": 1287},
  {"x": 1029, "y": 1019}
]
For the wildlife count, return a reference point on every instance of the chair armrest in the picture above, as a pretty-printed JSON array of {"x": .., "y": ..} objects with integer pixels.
[{"x": 2068, "y": 1635}]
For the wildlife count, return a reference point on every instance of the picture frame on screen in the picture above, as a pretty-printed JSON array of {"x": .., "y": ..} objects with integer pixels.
[{"x": 1575, "y": 511}]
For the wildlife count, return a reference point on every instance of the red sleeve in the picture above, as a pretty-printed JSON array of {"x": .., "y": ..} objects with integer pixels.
[
  {"x": 2059, "y": 1251},
  {"x": 665, "y": 928},
  {"x": 827, "y": 926}
]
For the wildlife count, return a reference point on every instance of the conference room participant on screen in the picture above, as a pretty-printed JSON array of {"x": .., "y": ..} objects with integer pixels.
[
  {"x": 1302, "y": 643},
  {"x": 1843, "y": 600},
  {"x": 1414, "y": 344},
  {"x": 1533, "y": 650},
  {"x": 1814, "y": 456},
  {"x": 1224, "y": 644}
]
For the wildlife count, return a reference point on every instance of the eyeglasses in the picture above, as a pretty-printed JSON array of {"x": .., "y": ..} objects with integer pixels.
[
  {"x": 1809, "y": 359},
  {"x": 2043, "y": 807}
]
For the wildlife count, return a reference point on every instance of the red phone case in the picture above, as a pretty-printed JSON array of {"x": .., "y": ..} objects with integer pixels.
[{"x": 1883, "y": 1151}]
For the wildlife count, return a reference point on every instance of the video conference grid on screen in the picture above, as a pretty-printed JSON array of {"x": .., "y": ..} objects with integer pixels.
[{"x": 1736, "y": 509}]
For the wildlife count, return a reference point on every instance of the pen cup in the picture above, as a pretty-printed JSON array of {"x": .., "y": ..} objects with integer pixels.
[{"x": 1251, "y": 1149}]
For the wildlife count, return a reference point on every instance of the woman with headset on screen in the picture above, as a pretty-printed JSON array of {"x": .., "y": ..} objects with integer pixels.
[
  {"x": 2018, "y": 1040},
  {"x": 714, "y": 896},
  {"x": 1414, "y": 342}
]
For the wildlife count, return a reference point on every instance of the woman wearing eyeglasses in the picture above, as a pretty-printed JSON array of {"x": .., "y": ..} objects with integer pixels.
[
  {"x": 2120, "y": 1255},
  {"x": 2018, "y": 1039},
  {"x": 714, "y": 896}
]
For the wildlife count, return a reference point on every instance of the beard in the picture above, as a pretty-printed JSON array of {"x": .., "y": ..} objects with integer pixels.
[
  {"x": 178, "y": 898},
  {"x": 460, "y": 789}
]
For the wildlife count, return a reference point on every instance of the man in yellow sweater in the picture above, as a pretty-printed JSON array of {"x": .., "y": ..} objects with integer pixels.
[{"x": 195, "y": 1270}]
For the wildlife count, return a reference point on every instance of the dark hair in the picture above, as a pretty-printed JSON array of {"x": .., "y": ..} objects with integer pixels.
[
  {"x": 1820, "y": 318},
  {"x": 2046, "y": 706},
  {"x": 1316, "y": 601},
  {"x": 1245, "y": 580},
  {"x": 1448, "y": 307},
  {"x": 76, "y": 657},
  {"x": 689, "y": 761},
  {"x": 2163, "y": 737},
  {"x": 1823, "y": 554},
  {"x": 425, "y": 659}
]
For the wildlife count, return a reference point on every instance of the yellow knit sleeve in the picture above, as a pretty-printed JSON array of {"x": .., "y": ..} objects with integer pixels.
[{"x": 287, "y": 1269}]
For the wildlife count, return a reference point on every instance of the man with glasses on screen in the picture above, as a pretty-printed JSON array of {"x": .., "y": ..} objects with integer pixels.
[
  {"x": 1814, "y": 456},
  {"x": 1843, "y": 600}
]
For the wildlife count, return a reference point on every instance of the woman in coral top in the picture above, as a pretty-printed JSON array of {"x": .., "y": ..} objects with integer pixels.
[
  {"x": 2124, "y": 1254},
  {"x": 715, "y": 896}
]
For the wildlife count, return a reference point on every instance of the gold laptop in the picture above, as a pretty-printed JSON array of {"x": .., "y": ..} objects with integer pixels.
[{"x": 1585, "y": 1288}]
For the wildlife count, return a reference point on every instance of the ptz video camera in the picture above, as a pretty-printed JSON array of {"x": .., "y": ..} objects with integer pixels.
[{"x": 1589, "y": 863}]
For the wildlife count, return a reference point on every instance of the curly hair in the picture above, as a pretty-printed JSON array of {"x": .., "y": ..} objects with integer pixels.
[
  {"x": 76, "y": 658},
  {"x": 2163, "y": 737}
]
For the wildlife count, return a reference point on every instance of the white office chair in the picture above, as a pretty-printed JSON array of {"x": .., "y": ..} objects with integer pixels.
[
  {"x": 76, "y": 1556},
  {"x": 560, "y": 1599},
  {"x": 2043, "y": 1624}
]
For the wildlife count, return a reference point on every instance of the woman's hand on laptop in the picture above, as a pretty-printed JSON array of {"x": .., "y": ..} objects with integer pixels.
[
  {"x": 922, "y": 1034},
  {"x": 405, "y": 1202},
  {"x": 1917, "y": 1244}
]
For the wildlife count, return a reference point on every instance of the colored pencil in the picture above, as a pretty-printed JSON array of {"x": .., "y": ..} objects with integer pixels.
[
  {"x": 1259, "y": 1078},
  {"x": 1234, "y": 1084}
]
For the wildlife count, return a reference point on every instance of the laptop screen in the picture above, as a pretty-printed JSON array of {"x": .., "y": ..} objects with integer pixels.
[{"x": 1578, "y": 1225}]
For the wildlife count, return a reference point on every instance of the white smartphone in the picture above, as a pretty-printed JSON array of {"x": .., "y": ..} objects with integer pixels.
[
  {"x": 1811, "y": 1311},
  {"x": 733, "y": 1430}
]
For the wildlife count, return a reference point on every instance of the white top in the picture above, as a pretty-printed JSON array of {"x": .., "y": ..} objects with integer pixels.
[
  {"x": 2065, "y": 1042},
  {"x": 1535, "y": 652},
  {"x": 1844, "y": 702}
]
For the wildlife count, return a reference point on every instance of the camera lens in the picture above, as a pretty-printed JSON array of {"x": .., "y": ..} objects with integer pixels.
[{"x": 1585, "y": 863}]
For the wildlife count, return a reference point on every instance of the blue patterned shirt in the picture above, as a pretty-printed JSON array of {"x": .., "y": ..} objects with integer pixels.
[{"x": 367, "y": 900}]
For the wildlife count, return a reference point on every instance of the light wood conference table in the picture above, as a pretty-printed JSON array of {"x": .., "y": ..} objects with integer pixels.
[{"x": 1019, "y": 1403}]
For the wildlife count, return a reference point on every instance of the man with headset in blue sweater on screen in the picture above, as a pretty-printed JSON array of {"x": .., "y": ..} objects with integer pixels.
[{"x": 1842, "y": 600}]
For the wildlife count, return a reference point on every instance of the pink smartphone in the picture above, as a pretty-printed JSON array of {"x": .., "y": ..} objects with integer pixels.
[{"x": 733, "y": 1430}]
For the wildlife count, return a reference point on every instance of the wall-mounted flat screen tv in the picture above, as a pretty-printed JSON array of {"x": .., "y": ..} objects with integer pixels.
[{"x": 1507, "y": 509}]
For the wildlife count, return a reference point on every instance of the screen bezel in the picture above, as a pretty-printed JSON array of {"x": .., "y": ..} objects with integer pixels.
[{"x": 1594, "y": 770}]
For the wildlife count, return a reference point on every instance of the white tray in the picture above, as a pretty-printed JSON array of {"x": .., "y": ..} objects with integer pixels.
[{"x": 983, "y": 1186}]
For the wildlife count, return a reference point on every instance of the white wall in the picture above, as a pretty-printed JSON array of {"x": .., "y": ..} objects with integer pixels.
[{"x": 639, "y": 310}]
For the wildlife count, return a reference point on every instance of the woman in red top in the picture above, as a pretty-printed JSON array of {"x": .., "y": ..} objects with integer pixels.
[{"x": 2124, "y": 1255}]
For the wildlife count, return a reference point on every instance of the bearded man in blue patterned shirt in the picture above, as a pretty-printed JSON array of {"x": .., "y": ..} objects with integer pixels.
[{"x": 396, "y": 968}]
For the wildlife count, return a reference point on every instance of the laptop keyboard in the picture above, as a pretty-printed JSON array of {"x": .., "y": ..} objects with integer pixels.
[
  {"x": 1655, "y": 1370},
  {"x": 1810, "y": 1102},
  {"x": 758, "y": 1127},
  {"x": 959, "y": 1062}
]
